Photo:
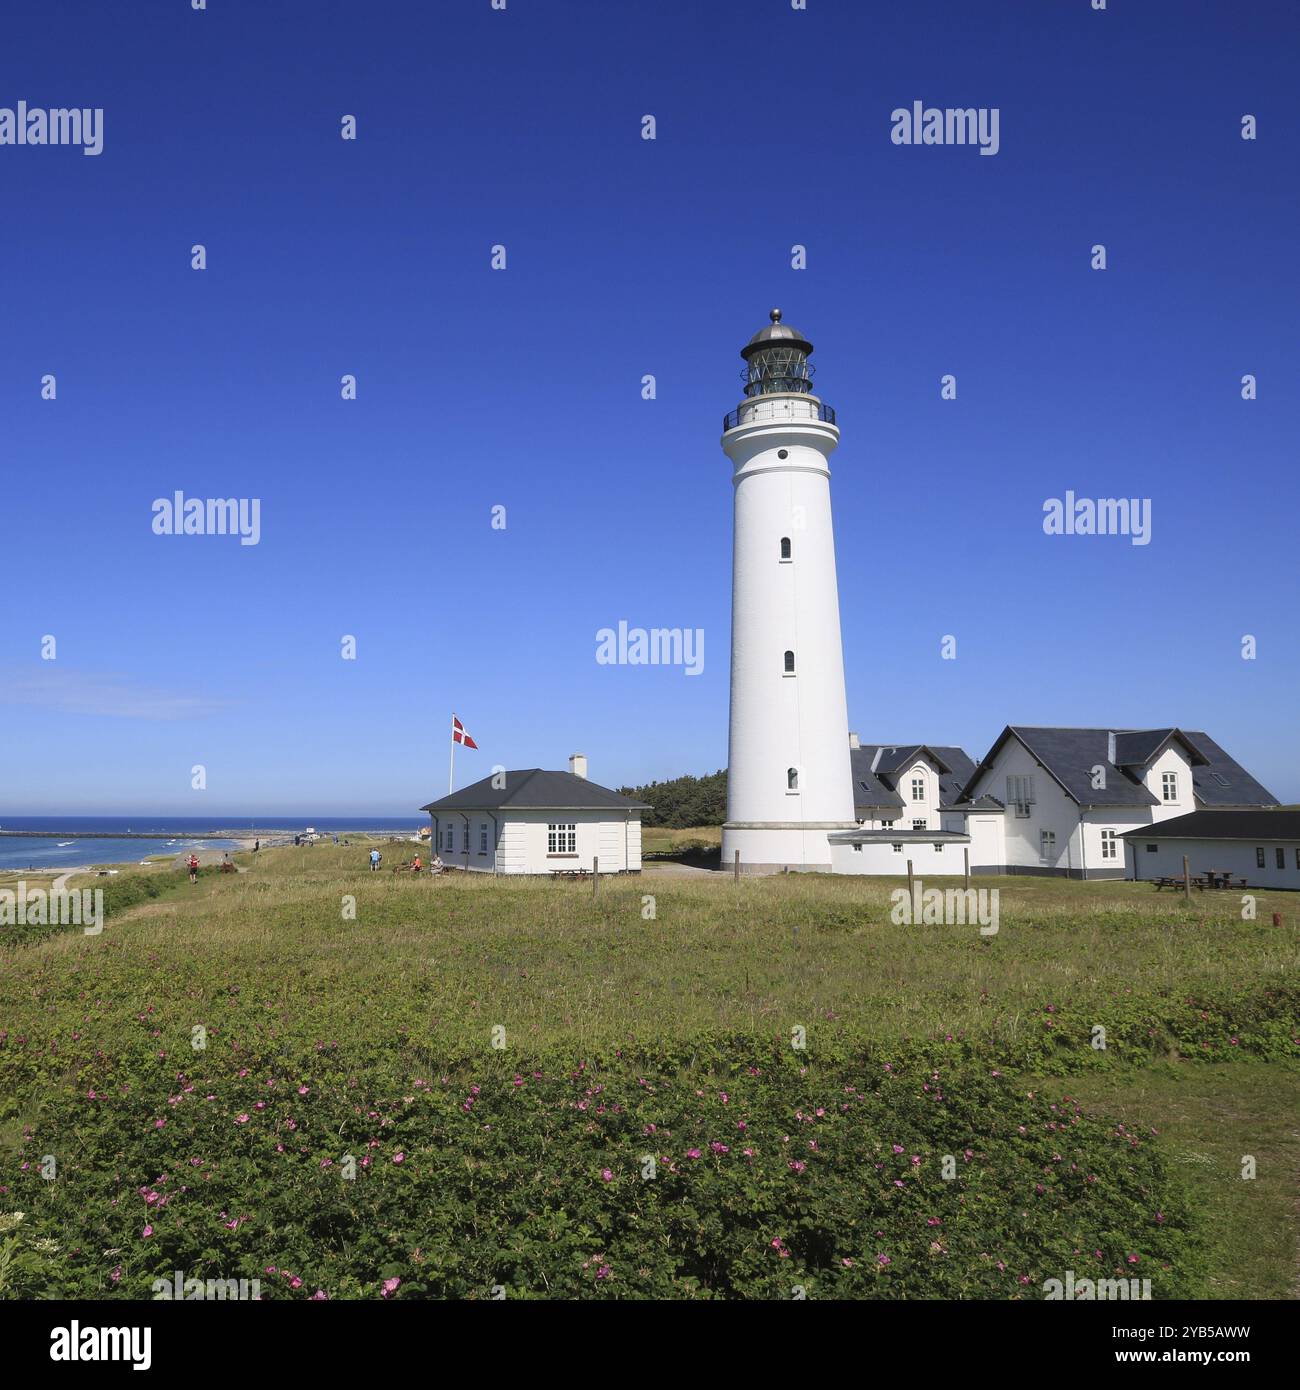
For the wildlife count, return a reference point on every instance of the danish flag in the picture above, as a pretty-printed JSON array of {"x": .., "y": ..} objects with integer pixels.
[{"x": 458, "y": 734}]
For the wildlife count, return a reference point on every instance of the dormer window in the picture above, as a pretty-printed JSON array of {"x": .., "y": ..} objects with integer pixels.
[
  {"x": 918, "y": 788},
  {"x": 1169, "y": 786}
]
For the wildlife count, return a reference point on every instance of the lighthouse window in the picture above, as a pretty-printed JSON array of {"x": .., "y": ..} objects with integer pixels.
[
  {"x": 789, "y": 663},
  {"x": 792, "y": 779},
  {"x": 783, "y": 453},
  {"x": 785, "y": 547}
]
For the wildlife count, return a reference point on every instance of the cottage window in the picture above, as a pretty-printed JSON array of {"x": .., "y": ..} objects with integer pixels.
[
  {"x": 1109, "y": 845},
  {"x": 1151, "y": 849},
  {"x": 1169, "y": 786},
  {"x": 451, "y": 837},
  {"x": 562, "y": 838},
  {"x": 1259, "y": 856},
  {"x": 482, "y": 839},
  {"x": 1020, "y": 794},
  {"x": 1281, "y": 857},
  {"x": 898, "y": 849},
  {"x": 1047, "y": 846},
  {"x": 918, "y": 788},
  {"x": 918, "y": 825}
]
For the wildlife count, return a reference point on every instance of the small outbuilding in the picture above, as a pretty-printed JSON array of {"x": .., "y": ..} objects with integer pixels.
[
  {"x": 1261, "y": 847},
  {"x": 532, "y": 821}
]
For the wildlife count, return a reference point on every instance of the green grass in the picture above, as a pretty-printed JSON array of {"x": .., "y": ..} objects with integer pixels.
[{"x": 1199, "y": 1009}]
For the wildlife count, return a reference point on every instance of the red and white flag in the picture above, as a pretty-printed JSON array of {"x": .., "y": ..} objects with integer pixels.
[{"x": 458, "y": 734}]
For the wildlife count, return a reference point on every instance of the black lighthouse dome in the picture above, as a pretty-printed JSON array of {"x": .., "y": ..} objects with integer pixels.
[{"x": 777, "y": 360}]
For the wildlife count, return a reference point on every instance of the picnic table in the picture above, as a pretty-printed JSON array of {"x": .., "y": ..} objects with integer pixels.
[{"x": 1222, "y": 878}]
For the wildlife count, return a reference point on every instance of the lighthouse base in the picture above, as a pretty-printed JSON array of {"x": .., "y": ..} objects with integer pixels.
[{"x": 776, "y": 847}]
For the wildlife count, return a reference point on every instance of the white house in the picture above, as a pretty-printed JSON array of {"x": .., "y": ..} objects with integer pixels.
[
  {"x": 1260, "y": 847},
  {"x": 1070, "y": 794},
  {"x": 538, "y": 822},
  {"x": 905, "y": 795}
]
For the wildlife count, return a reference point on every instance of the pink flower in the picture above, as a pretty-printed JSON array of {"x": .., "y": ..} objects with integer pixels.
[
  {"x": 390, "y": 1287},
  {"x": 295, "y": 1282},
  {"x": 241, "y": 1119},
  {"x": 692, "y": 1153},
  {"x": 399, "y": 1158},
  {"x": 607, "y": 1175},
  {"x": 883, "y": 1260},
  {"x": 146, "y": 1233}
]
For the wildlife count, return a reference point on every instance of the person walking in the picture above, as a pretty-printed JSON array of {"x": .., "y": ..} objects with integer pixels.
[
  {"x": 194, "y": 868},
  {"x": 374, "y": 860}
]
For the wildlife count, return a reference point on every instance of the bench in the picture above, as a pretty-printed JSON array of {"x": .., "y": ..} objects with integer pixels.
[{"x": 570, "y": 873}]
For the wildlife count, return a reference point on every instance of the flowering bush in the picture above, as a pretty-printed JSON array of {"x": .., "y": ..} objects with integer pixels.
[{"x": 726, "y": 1170}]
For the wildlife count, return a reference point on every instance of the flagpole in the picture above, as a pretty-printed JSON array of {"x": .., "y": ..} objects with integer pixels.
[{"x": 451, "y": 771}]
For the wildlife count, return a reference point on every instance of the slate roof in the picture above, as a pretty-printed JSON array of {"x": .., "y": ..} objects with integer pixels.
[
  {"x": 1069, "y": 755},
  {"x": 1222, "y": 825},
  {"x": 534, "y": 789},
  {"x": 1224, "y": 782},
  {"x": 873, "y": 790}
]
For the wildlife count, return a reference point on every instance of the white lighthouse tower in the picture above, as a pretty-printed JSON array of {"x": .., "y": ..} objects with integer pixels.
[{"x": 789, "y": 781}]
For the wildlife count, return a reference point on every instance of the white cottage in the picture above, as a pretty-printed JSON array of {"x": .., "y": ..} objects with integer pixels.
[
  {"x": 1069, "y": 795},
  {"x": 536, "y": 822},
  {"x": 1258, "y": 848}
]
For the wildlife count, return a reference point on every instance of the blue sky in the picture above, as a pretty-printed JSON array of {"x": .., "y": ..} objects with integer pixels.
[{"x": 522, "y": 388}]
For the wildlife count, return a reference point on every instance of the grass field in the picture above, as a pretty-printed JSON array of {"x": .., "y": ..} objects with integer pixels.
[{"x": 389, "y": 1000}]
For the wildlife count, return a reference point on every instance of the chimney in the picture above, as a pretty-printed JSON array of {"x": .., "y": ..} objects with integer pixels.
[
  {"x": 854, "y": 741},
  {"x": 1110, "y": 747},
  {"x": 578, "y": 764}
]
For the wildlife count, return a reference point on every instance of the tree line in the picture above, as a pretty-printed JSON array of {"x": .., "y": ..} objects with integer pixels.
[{"x": 684, "y": 801}]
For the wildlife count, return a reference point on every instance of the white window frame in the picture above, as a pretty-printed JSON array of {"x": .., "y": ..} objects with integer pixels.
[
  {"x": 1169, "y": 786},
  {"x": 918, "y": 788},
  {"x": 1047, "y": 846},
  {"x": 1109, "y": 845},
  {"x": 919, "y": 825},
  {"x": 562, "y": 839}
]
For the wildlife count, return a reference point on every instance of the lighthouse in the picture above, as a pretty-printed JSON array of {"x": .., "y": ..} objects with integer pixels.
[{"x": 789, "y": 781}]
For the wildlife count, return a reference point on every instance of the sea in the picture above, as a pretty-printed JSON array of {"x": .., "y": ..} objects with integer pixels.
[{"x": 70, "y": 841}]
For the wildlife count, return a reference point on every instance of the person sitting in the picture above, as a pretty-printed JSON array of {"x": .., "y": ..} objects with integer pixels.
[{"x": 416, "y": 866}]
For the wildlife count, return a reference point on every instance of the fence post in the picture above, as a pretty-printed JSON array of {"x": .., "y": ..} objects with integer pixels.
[
  {"x": 595, "y": 877},
  {"x": 966, "y": 858},
  {"x": 736, "y": 871},
  {"x": 911, "y": 886},
  {"x": 1187, "y": 881}
]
